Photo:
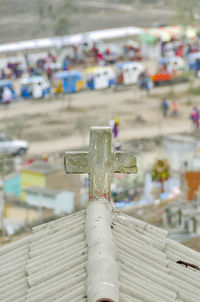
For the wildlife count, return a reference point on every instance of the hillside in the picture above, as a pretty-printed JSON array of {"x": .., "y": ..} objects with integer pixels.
[{"x": 22, "y": 19}]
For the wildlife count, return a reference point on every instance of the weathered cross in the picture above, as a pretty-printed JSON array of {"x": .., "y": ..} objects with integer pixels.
[{"x": 100, "y": 162}]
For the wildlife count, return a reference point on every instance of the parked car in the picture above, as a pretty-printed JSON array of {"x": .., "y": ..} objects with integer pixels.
[{"x": 12, "y": 146}]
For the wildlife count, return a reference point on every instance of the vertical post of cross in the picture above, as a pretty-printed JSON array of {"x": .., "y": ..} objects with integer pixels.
[{"x": 100, "y": 170}]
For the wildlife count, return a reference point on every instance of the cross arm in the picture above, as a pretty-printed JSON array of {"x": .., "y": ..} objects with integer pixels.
[
  {"x": 124, "y": 162},
  {"x": 76, "y": 162}
]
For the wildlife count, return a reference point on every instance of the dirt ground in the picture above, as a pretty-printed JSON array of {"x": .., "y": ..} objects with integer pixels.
[
  {"x": 51, "y": 126},
  {"x": 21, "y": 19},
  {"x": 193, "y": 243}
]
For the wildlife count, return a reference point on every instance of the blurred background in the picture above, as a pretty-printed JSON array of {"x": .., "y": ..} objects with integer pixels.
[{"x": 67, "y": 65}]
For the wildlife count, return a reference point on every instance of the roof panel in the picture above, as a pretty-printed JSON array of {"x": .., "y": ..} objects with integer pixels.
[{"x": 52, "y": 264}]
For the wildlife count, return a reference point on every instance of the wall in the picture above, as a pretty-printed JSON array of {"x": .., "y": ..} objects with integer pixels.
[
  {"x": 193, "y": 182},
  {"x": 30, "y": 178},
  {"x": 179, "y": 149},
  {"x": 65, "y": 201},
  {"x": 69, "y": 182},
  {"x": 19, "y": 214},
  {"x": 61, "y": 203},
  {"x": 12, "y": 185},
  {"x": 35, "y": 199}
]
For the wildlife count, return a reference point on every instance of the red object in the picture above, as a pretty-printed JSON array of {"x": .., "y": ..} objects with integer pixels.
[
  {"x": 100, "y": 56},
  {"x": 29, "y": 161},
  {"x": 193, "y": 183},
  {"x": 121, "y": 77},
  {"x": 161, "y": 77},
  {"x": 179, "y": 51},
  {"x": 175, "y": 107}
]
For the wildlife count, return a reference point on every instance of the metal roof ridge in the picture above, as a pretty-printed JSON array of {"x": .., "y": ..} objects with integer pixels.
[{"x": 102, "y": 267}]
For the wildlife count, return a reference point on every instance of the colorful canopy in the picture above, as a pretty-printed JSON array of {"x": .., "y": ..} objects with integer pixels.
[{"x": 166, "y": 33}]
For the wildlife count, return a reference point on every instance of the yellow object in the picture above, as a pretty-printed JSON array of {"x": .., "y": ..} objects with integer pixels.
[
  {"x": 191, "y": 32},
  {"x": 45, "y": 157},
  {"x": 116, "y": 120},
  {"x": 92, "y": 69},
  {"x": 166, "y": 37},
  {"x": 6, "y": 211},
  {"x": 58, "y": 88},
  {"x": 20, "y": 214},
  {"x": 80, "y": 85},
  {"x": 31, "y": 178}
]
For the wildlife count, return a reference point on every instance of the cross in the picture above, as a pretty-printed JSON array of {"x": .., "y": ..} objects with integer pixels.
[{"x": 100, "y": 162}]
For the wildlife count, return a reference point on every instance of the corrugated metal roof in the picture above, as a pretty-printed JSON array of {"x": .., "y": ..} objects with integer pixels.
[
  {"x": 48, "y": 265},
  {"x": 149, "y": 271},
  {"x": 51, "y": 264}
]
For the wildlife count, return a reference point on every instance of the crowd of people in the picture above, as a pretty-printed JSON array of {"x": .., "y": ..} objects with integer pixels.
[
  {"x": 44, "y": 65},
  {"x": 180, "y": 48},
  {"x": 165, "y": 107},
  {"x": 86, "y": 54}
]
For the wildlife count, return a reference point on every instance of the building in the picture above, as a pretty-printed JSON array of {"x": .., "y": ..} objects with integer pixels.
[
  {"x": 192, "y": 182},
  {"x": 182, "y": 219},
  {"x": 12, "y": 184},
  {"x": 59, "y": 201},
  {"x": 17, "y": 215},
  {"x": 180, "y": 150},
  {"x": 194, "y": 224},
  {"x": 37, "y": 174},
  {"x": 46, "y": 175},
  {"x": 171, "y": 214}
]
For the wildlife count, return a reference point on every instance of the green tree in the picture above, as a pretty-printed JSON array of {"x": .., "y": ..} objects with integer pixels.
[{"x": 160, "y": 172}]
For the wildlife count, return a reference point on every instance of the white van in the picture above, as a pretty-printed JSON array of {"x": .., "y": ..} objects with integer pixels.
[
  {"x": 173, "y": 63},
  {"x": 35, "y": 87},
  {"x": 129, "y": 72},
  {"x": 100, "y": 77}
]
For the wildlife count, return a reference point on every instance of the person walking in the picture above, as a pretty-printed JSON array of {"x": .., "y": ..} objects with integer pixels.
[
  {"x": 149, "y": 84},
  {"x": 7, "y": 96},
  {"x": 174, "y": 108},
  {"x": 165, "y": 107},
  {"x": 116, "y": 127},
  {"x": 195, "y": 117},
  {"x": 114, "y": 124}
]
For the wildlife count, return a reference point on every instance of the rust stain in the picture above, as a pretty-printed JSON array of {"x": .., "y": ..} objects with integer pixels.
[
  {"x": 98, "y": 195},
  {"x": 188, "y": 264}
]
